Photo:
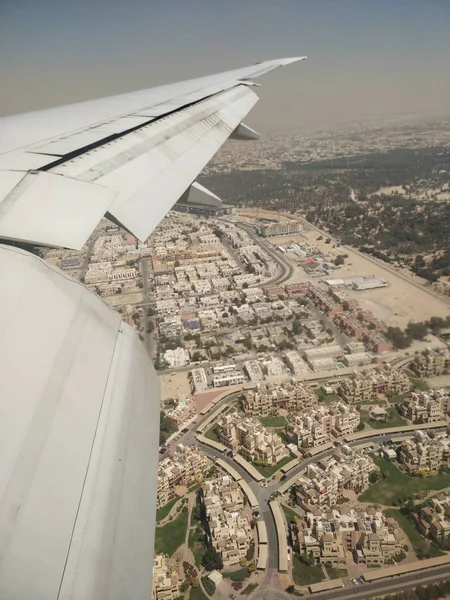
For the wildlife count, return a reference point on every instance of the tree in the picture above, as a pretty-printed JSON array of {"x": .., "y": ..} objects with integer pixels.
[
  {"x": 197, "y": 356},
  {"x": 176, "y": 264},
  {"x": 339, "y": 260},
  {"x": 245, "y": 285},
  {"x": 212, "y": 560},
  {"x": 290, "y": 589}
]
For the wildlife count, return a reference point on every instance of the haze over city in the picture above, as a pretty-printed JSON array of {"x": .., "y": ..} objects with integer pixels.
[{"x": 365, "y": 58}]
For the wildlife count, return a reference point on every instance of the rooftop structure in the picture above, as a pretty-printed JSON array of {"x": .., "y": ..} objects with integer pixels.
[
  {"x": 185, "y": 467},
  {"x": 431, "y": 362},
  {"x": 320, "y": 424},
  {"x": 426, "y": 452},
  {"x": 167, "y": 577},
  {"x": 270, "y": 398},
  {"x": 251, "y": 439},
  {"x": 329, "y": 534},
  {"x": 231, "y": 533},
  {"x": 384, "y": 380},
  {"x": 324, "y": 484}
]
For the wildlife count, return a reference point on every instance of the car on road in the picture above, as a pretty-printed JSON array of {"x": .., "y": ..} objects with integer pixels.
[
  {"x": 264, "y": 484},
  {"x": 184, "y": 430},
  {"x": 355, "y": 581}
]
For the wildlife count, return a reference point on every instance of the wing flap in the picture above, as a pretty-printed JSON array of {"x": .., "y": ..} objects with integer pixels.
[{"x": 44, "y": 208}]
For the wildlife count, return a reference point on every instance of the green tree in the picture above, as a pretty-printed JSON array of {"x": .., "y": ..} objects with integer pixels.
[{"x": 212, "y": 560}]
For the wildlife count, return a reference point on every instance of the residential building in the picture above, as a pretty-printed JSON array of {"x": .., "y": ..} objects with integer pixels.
[
  {"x": 288, "y": 395},
  {"x": 253, "y": 370},
  {"x": 199, "y": 381},
  {"x": 321, "y": 424},
  {"x": 324, "y": 484},
  {"x": 434, "y": 519},
  {"x": 426, "y": 452},
  {"x": 167, "y": 577},
  {"x": 431, "y": 362},
  {"x": 229, "y": 524},
  {"x": 179, "y": 357},
  {"x": 328, "y": 534},
  {"x": 425, "y": 407},
  {"x": 185, "y": 467},
  {"x": 384, "y": 380},
  {"x": 251, "y": 439},
  {"x": 296, "y": 363}
]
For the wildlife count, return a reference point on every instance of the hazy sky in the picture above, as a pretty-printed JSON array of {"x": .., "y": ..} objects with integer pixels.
[{"x": 365, "y": 57}]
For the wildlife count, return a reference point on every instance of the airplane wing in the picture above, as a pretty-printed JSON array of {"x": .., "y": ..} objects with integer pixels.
[
  {"x": 131, "y": 156},
  {"x": 80, "y": 400}
]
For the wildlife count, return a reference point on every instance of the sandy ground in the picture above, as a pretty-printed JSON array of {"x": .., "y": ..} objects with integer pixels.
[
  {"x": 262, "y": 214},
  {"x": 173, "y": 385},
  {"x": 202, "y": 399},
  {"x": 121, "y": 299},
  {"x": 438, "y": 382},
  {"x": 397, "y": 304}
]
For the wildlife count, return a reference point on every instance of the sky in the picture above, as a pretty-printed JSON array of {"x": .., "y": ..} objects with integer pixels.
[{"x": 366, "y": 58}]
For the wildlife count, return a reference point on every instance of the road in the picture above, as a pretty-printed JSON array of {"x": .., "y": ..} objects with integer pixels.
[
  {"x": 286, "y": 267},
  {"x": 149, "y": 340}
]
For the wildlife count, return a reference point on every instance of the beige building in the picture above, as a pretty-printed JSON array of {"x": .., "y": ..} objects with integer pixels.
[
  {"x": 329, "y": 535},
  {"x": 431, "y": 362},
  {"x": 426, "y": 452},
  {"x": 385, "y": 380},
  {"x": 323, "y": 484},
  {"x": 288, "y": 395},
  {"x": 251, "y": 439},
  {"x": 167, "y": 577},
  {"x": 322, "y": 423},
  {"x": 228, "y": 522},
  {"x": 434, "y": 519},
  {"x": 425, "y": 407},
  {"x": 187, "y": 466}
]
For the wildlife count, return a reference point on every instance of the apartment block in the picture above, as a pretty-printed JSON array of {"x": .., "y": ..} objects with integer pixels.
[
  {"x": 296, "y": 363},
  {"x": 251, "y": 439},
  {"x": 322, "y": 424},
  {"x": 426, "y": 452},
  {"x": 384, "y": 380},
  {"x": 425, "y": 407},
  {"x": 187, "y": 466},
  {"x": 229, "y": 524},
  {"x": 330, "y": 534},
  {"x": 288, "y": 395},
  {"x": 179, "y": 357},
  {"x": 199, "y": 381},
  {"x": 324, "y": 484},
  {"x": 434, "y": 518},
  {"x": 167, "y": 577},
  {"x": 253, "y": 370},
  {"x": 431, "y": 362}
]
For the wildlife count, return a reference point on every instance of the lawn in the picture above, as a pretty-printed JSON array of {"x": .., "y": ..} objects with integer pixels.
[
  {"x": 305, "y": 574},
  {"x": 197, "y": 594},
  {"x": 271, "y": 469},
  {"x": 162, "y": 512},
  {"x": 327, "y": 398},
  {"x": 249, "y": 589},
  {"x": 288, "y": 513},
  {"x": 396, "y": 486},
  {"x": 418, "y": 384},
  {"x": 170, "y": 537},
  {"x": 197, "y": 546},
  {"x": 273, "y": 421},
  {"x": 395, "y": 420},
  {"x": 396, "y": 399},
  {"x": 211, "y": 434},
  {"x": 334, "y": 573},
  {"x": 238, "y": 575},
  {"x": 422, "y": 546}
]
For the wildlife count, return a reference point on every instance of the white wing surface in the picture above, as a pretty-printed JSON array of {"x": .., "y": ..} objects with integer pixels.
[
  {"x": 79, "y": 399},
  {"x": 132, "y": 156}
]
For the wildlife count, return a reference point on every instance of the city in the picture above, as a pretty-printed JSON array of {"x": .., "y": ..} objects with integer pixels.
[{"x": 287, "y": 410}]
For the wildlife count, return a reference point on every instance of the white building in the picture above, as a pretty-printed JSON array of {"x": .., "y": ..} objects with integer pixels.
[
  {"x": 253, "y": 370},
  {"x": 199, "y": 380},
  {"x": 176, "y": 358}
]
